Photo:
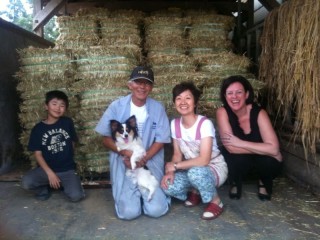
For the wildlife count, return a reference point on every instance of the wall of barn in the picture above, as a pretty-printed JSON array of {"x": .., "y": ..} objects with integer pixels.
[{"x": 11, "y": 38}]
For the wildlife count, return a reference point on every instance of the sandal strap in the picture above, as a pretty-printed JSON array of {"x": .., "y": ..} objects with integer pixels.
[
  {"x": 192, "y": 200},
  {"x": 214, "y": 209}
]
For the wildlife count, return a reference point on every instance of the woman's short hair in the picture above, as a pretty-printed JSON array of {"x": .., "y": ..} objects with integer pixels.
[
  {"x": 183, "y": 86},
  {"x": 240, "y": 79}
]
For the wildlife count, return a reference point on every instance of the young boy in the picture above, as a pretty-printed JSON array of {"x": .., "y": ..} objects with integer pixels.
[{"x": 52, "y": 141}]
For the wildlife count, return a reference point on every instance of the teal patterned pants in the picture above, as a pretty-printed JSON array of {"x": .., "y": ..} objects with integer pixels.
[{"x": 199, "y": 178}]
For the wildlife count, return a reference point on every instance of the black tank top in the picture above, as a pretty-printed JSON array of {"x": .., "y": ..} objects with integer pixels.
[{"x": 254, "y": 135}]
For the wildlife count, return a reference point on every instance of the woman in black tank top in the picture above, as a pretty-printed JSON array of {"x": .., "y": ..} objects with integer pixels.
[{"x": 248, "y": 138}]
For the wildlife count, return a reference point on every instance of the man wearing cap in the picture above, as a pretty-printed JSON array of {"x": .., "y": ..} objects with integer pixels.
[{"x": 153, "y": 127}]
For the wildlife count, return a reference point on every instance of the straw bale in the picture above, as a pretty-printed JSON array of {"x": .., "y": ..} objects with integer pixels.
[
  {"x": 161, "y": 21},
  {"x": 116, "y": 41},
  {"x": 124, "y": 53},
  {"x": 223, "y": 58},
  {"x": 44, "y": 68},
  {"x": 118, "y": 27},
  {"x": 165, "y": 32},
  {"x": 34, "y": 56},
  {"x": 197, "y": 13},
  {"x": 171, "y": 79},
  {"x": 164, "y": 37},
  {"x": 113, "y": 80},
  {"x": 219, "y": 42},
  {"x": 101, "y": 93},
  {"x": 104, "y": 67},
  {"x": 194, "y": 52},
  {"x": 77, "y": 22},
  {"x": 163, "y": 43},
  {"x": 169, "y": 12},
  {"x": 95, "y": 11},
  {"x": 104, "y": 75},
  {"x": 128, "y": 15},
  {"x": 94, "y": 162},
  {"x": 207, "y": 29},
  {"x": 220, "y": 21},
  {"x": 173, "y": 68},
  {"x": 90, "y": 143},
  {"x": 77, "y": 31},
  {"x": 100, "y": 101},
  {"x": 160, "y": 57}
]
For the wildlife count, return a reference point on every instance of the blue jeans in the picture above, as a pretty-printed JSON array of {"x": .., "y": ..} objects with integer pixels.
[{"x": 37, "y": 180}]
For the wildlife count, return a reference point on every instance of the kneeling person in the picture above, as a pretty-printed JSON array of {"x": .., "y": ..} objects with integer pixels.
[{"x": 52, "y": 141}]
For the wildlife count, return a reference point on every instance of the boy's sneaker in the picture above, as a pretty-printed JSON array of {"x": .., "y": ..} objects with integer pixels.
[{"x": 43, "y": 197}]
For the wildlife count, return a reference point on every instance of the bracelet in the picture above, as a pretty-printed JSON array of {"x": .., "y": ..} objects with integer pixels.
[{"x": 175, "y": 166}]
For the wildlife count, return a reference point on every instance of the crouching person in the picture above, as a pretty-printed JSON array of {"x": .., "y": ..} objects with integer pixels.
[{"x": 52, "y": 142}]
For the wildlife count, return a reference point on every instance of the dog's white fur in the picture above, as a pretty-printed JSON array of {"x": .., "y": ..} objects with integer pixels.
[{"x": 143, "y": 177}]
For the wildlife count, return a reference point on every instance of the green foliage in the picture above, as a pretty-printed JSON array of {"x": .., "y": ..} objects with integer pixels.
[
  {"x": 51, "y": 31},
  {"x": 17, "y": 14}
]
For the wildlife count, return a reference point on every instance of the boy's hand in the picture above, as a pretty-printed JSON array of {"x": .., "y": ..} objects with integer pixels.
[{"x": 54, "y": 180}]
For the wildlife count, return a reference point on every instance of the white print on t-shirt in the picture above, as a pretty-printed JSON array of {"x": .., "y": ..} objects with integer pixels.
[{"x": 55, "y": 140}]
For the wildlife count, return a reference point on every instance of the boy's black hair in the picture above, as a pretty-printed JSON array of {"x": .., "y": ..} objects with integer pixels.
[{"x": 57, "y": 94}]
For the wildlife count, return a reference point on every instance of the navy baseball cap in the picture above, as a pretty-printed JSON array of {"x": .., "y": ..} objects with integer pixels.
[{"x": 142, "y": 72}]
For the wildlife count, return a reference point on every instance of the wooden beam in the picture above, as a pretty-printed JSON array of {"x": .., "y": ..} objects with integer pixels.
[
  {"x": 37, "y": 6},
  {"x": 44, "y": 15},
  {"x": 224, "y": 7},
  {"x": 269, "y": 4}
]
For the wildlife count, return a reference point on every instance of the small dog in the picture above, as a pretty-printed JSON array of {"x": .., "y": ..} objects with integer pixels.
[{"x": 126, "y": 137}]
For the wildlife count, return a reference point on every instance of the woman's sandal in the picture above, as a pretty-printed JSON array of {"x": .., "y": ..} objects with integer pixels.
[
  {"x": 193, "y": 200},
  {"x": 261, "y": 196},
  {"x": 212, "y": 211},
  {"x": 235, "y": 195}
]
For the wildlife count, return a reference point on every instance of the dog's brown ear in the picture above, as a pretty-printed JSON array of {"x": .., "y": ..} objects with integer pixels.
[
  {"x": 114, "y": 125},
  {"x": 132, "y": 121}
]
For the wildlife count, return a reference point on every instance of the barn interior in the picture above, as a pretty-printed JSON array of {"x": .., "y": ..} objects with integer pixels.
[{"x": 275, "y": 44}]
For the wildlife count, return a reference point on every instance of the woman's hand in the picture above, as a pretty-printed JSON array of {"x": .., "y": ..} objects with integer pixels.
[
  {"x": 228, "y": 139},
  {"x": 167, "y": 180}
]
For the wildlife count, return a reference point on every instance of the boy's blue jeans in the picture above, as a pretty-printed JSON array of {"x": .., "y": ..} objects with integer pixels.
[{"x": 37, "y": 180}]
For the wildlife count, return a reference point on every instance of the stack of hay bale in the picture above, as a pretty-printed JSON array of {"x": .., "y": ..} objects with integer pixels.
[
  {"x": 192, "y": 45},
  {"x": 165, "y": 46},
  {"x": 92, "y": 60},
  {"x": 96, "y": 52},
  {"x": 101, "y": 77},
  {"x": 210, "y": 49}
]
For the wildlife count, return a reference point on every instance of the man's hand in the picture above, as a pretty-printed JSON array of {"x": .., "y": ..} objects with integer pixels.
[{"x": 127, "y": 163}]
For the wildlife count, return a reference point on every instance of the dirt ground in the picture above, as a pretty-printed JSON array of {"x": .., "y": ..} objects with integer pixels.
[{"x": 293, "y": 213}]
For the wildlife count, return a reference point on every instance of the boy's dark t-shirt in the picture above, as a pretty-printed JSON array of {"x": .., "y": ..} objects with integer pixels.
[{"x": 55, "y": 141}]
